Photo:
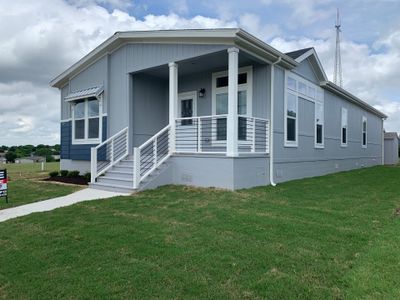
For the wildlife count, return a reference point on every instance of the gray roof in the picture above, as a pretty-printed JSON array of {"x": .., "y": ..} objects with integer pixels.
[{"x": 298, "y": 53}]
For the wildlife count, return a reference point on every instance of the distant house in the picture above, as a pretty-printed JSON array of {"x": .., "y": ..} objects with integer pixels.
[
  {"x": 391, "y": 148},
  {"x": 214, "y": 107},
  {"x": 30, "y": 160},
  {"x": 3, "y": 159}
]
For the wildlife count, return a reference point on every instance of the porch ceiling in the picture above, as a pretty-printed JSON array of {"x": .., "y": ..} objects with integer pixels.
[{"x": 217, "y": 61}]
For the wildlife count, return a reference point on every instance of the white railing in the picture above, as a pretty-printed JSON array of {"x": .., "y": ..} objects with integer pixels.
[
  {"x": 150, "y": 155},
  {"x": 108, "y": 153},
  {"x": 207, "y": 134}
]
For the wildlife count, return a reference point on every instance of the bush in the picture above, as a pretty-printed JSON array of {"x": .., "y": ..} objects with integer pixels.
[
  {"x": 53, "y": 174},
  {"x": 64, "y": 173},
  {"x": 73, "y": 173},
  {"x": 87, "y": 176}
]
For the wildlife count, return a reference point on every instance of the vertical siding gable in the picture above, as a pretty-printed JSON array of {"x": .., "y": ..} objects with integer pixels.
[
  {"x": 93, "y": 75},
  {"x": 305, "y": 70}
]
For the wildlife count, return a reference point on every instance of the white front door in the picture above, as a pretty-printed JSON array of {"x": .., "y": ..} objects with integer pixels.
[
  {"x": 187, "y": 106},
  {"x": 186, "y": 130}
]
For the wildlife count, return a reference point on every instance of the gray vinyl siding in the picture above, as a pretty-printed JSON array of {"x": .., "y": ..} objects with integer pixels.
[
  {"x": 306, "y": 160},
  {"x": 76, "y": 152},
  {"x": 65, "y": 106},
  {"x": 144, "y": 56},
  {"x": 135, "y": 57},
  {"x": 94, "y": 75},
  {"x": 305, "y": 70},
  {"x": 150, "y": 107}
]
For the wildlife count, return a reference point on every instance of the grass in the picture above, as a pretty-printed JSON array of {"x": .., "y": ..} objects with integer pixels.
[
  {"x": 331, "y": 237},
  {"x": 30, "y": 170},
  {"x": 25, "y": 185}
]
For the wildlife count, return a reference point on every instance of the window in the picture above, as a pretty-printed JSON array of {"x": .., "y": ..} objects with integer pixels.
[
  {"x": 364, "y": 132},
  {"x": 297, "y": 88},
  {"x": 86, "y": 126},
  {"x": 344, "y": 128},
  {"x": 291, "y": 119},
  {"x": 220, "y": 102},
  {"x": 319, "y": 124}
]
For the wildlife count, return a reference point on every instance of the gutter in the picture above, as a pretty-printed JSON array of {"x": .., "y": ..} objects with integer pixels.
[
  {"x": 330, "y": 86},
  {"x": 271, "y": 126}
]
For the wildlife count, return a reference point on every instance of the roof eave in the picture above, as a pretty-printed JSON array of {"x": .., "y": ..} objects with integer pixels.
[
  {"x": 224, "y": 35},
  {"x": 341, "y": 92}
]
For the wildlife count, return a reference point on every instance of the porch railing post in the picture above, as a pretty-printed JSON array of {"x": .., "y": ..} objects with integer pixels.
[
  {"x": 112, "y": 151},
  {"x": 232, "y": 118},
  {"x": 253, "y": 146},
  {"x": 173, "y": 102},
  {"x": 136, "y": 167},
  {"x": 155, "y": 151},
  {"x": 93, "y": 164},
  {"x": 198, "y": 134}
]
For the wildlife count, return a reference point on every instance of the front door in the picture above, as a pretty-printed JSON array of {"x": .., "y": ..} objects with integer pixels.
[{"x": 187, "y": 107}]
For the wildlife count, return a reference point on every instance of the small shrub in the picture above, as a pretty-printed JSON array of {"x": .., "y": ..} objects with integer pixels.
[
  {"x": 73, "y": 173},
  {"x": 53, "y": 174},
  {"x": 87, "y": 176},
  {"x": 64, "y": 173}
]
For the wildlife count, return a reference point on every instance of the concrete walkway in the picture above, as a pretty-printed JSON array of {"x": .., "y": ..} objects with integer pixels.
[{"x": 46, "y": 205}]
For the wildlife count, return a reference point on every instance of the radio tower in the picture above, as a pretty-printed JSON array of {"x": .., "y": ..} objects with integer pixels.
[{"x": 337, "y": 75}]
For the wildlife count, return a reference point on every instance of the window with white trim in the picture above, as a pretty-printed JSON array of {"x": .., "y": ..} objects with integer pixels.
[
  {"x": 364, "y": 132},
  {"x": 319, "y": 124},
  {"x": 86, "y": 121},
  {"x": 291, "y": 119},
  {"x": 298, "y": 87},
  {"x": 220, "y": 101}
]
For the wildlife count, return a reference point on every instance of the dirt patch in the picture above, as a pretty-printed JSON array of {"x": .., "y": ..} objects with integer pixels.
[
  {"x": 65, "y": 179},
  {"x": 397, "y": 212}
]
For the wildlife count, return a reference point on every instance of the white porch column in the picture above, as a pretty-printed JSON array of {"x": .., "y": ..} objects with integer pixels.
[
  {"x": 173, "y": 101},
  {"x": 232, "y": 119}
]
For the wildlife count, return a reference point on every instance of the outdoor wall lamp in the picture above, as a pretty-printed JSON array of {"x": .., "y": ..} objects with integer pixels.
[{"x": 202, "y": 92}]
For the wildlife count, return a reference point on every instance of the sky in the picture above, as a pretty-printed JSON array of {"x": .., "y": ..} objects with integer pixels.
[{"x": 40, "y": 39}]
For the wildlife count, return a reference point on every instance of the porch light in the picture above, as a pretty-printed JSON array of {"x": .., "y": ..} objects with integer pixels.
[{"x": 202, "y": 92}]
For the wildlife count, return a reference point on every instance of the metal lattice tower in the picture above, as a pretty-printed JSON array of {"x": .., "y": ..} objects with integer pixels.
[{"x": 337, "y": 75}]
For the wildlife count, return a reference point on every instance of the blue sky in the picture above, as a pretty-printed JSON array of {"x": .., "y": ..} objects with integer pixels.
[{"x": 40, "y": 39}]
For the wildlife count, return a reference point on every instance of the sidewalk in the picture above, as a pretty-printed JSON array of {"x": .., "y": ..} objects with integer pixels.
[{"x": 47, "y": 205}]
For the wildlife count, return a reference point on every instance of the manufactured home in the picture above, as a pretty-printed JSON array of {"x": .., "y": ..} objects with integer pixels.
[{"x": 211, "y": 108}]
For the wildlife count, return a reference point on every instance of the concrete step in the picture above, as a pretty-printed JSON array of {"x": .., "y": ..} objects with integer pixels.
[
  {"x": 112, "y": 188},
  {"x": 120, "y": 174},
  {"x": 125, "y": 163},
  {"x": 115, "y": 181},
  {"x": 122, "y": 169}
]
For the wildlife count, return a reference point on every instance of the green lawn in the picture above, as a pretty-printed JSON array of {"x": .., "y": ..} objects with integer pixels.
[
  {"x": 26, "y": 185},
  {"x": 332, "y": 237},
  {"x": 30, "y": 171}
]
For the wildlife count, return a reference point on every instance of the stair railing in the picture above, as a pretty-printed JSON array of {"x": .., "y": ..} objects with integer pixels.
[
  {"x": 150, "y": 155},
  {"x": 107, "y": 154}
]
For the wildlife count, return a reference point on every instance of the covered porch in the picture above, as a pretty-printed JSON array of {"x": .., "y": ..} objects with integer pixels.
[{"x": 216, "y": 104}]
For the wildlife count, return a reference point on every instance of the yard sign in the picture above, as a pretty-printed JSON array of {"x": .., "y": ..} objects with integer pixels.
[{"x": 3, "y": 184}]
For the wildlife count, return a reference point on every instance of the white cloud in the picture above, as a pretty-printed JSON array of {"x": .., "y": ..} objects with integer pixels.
[
  {"x": 254, "y": 25},
  {"x": 40, "y": 39},
  {"x": 43, "y": 38}
]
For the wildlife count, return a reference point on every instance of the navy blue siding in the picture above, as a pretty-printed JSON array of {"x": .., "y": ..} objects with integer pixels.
[{"x": 77, "y": 152}]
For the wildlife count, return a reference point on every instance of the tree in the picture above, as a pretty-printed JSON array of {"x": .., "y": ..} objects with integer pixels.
[{"x": 11, "y": 156}]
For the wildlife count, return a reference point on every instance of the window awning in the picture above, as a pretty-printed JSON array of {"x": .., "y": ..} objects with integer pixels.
[{"x": 86, "y": 93}]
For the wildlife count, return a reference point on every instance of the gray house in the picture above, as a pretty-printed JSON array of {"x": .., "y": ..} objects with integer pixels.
[{"x": 208, "y": 108}]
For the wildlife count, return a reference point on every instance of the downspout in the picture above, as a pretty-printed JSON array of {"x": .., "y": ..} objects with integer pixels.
[
  {"x": 383, "y": 144},
  {"x": 271, "y": 126}
]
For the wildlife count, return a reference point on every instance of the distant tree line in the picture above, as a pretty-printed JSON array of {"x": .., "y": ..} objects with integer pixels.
[{"x": 15, "y": 152}]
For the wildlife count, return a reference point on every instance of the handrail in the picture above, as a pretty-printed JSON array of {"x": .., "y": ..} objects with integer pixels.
[
  {"x": 154, "y": 137},
  {"x": 156, "y": 150},
  {"x": 110, "y": 138},
  {"x": 112, "y": 151}
]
